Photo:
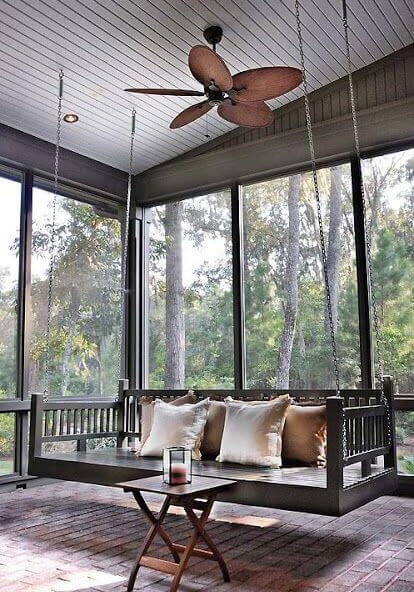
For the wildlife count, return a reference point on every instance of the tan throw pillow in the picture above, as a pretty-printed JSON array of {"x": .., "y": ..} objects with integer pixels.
[
  {"x": 147, "y": 412},
  {"x": 176, "y": 426},
  {"x": 213, "y": 432},
  {"x": 253, "y": 433},
  {"x": 304, "y": 436}
]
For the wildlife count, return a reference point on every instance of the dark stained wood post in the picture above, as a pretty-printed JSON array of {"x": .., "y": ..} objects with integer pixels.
[
  {"x": 366, "y": 468},
  {"x": 23, "y": 321},
  {"x": 121, "y": 427},
  {"x": 335, "y": 452},
  {"x": 81, "y": 444},
  {"x": 36, "y": 420},
  {"x": 238, "y": 279},
  {"x": 390, "y": 459},
  {"x": 363, "y": 286}
]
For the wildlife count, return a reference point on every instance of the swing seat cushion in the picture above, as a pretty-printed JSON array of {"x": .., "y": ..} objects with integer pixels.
[{"x": 304, "y": 435}]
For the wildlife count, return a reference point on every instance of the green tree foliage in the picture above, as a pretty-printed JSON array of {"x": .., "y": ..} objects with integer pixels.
[
  {"x": 405, "y": 441},
  {"x": 266, "y": 241},
  {"x": 85, "y": 314},
  {"x": 390, "y": 193},
  {"x": 6, "y": 442},
  {"x": 7, "y": 337}
]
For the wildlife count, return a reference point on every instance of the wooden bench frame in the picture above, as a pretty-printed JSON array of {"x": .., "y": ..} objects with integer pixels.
[{"x": 357, "y": 433}]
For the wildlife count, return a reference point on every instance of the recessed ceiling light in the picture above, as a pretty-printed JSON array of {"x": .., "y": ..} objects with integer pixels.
[{"x": 71, "y": 118}]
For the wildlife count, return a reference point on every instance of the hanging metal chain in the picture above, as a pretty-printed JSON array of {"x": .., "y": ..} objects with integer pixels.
[
  {"x": 318, "y": 201},
  {"x": 124, "y": 290},
  {"x": 376, "y": 323},
  {"x": 52, "y": 238}
]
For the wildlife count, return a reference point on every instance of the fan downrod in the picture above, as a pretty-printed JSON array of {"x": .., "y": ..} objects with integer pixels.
[{"x": 213, "y": 35}]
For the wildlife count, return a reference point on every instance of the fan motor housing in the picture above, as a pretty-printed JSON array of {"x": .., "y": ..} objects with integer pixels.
[
  {"x": 213, "y": 34},
  {"x": 214, "y": 97}
]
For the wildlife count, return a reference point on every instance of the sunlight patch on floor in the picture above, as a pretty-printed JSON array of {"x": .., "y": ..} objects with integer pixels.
[
  {"x": 250, "y": 520},
  {"x": 258, "y": 521},
  {"x": 85, "y": 580}
]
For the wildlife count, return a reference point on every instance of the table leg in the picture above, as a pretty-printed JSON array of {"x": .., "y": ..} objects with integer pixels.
[
  {"x": 199, "y": 525},
  {"x": 160, "y": 530},
  {"x": 154, "y": 528}
]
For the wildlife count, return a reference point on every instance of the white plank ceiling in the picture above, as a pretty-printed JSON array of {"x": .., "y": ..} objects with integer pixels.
[{"x": 104, "y": 46}]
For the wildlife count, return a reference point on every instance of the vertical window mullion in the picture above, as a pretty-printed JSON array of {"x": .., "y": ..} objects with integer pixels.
[
  {"x": 139, "y": 313},
  {"x": 238, "y": 288},
  {"x": 130, "y": 336},
  {"x": 144, "y": 302},
  {"x": 23, "y": 319},
  {"x": 364, "y": 293}
]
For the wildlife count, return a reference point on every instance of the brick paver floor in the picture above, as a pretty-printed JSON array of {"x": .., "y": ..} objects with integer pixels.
[{"x": 67, "y": 537}]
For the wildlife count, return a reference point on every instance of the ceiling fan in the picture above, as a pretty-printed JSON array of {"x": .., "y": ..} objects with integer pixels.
[{"x": 240, "y": 99}]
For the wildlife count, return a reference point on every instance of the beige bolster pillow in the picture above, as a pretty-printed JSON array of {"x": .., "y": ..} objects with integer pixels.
[{"x": 304, "y": 435}]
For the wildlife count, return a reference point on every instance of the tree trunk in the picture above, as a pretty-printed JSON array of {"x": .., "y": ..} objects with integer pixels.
[
  {"x": 174, "y": 300},
  {"x": 73, "y": 319},
  {"x": 246, "y": 257},
  {"x": 334, "y": 240},
  {"x": 291, "y": 284},
  {"x": 301, "y": 345},
  {"x": 99, "y": 364},
  {"x": 66, "y": 360},
  {"x": 375, "y": 203},
  {"x": 333, "y": 257}
]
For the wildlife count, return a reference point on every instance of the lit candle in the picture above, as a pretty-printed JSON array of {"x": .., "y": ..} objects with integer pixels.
[{"x": 178, "y": 474}]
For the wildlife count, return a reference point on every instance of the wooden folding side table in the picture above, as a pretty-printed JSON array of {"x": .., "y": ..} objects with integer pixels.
[{"x": 188, "y": 496}]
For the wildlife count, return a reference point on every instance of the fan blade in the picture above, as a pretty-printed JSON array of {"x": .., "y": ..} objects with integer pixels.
[
  {"x": 207, "y": 66},
  {"x": 262, "y": 84},
  {"x": 246, "y": 114},
  {"x": 190, "y": 114},
  {"x": 178, "y": 92}
]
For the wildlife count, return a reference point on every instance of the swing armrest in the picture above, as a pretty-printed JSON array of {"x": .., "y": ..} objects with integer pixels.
[
  {"x": 365, "y": 436},
  {"x": 335, "y": 443},
  {"x": 71, "y": 420},
  {"x": 359, "y": 434}
]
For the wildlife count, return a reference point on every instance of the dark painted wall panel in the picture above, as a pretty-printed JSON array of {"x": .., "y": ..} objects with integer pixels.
[{"x": 19, "y": 148}]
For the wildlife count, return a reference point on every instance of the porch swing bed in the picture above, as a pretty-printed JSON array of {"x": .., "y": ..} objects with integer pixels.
[{"x": 361, "y": 463}]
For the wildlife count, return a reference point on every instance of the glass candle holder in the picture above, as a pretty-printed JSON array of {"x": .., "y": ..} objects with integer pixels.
[{"x": 177, "y": 465}]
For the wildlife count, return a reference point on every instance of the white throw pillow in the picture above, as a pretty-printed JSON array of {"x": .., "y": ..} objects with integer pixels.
[
  {"x": 252, "y": 434},
  {"x": 213, "y": 432},
  {"x": 147, "y": 412},
  {"x": 176, "y": 426}
]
